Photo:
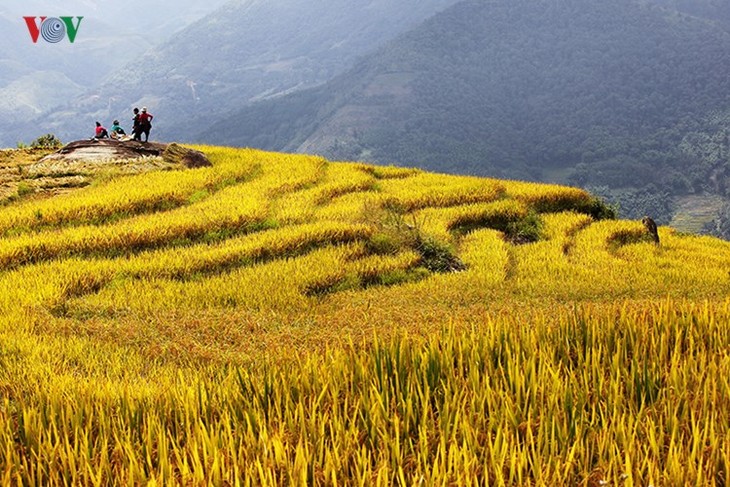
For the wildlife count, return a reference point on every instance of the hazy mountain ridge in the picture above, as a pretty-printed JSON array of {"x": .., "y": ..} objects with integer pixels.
[
  {"x": 28, "y": 96},
  {"x": 716, "y": 11}
]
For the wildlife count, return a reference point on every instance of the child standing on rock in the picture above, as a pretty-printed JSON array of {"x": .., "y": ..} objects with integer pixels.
[{"x": 135, "y": 125}]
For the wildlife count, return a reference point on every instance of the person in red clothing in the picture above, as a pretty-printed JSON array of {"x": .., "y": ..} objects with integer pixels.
[
  {"x": 100, "y": 132},
  {"x": 145, "y": 123}
]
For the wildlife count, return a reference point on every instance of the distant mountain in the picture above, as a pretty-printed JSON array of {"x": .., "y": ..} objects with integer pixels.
[
  {"x": 33, "y": 94},
  {"x": 615, "y": 94},
  {"x": 247, "y": 50},
  {"x": 713, "y": 10},
  {"x": 155, "y": 21}
]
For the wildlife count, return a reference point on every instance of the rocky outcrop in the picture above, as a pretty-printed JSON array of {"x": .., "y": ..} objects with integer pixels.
[
  {"x": 105, "y": 150},
  {"x": 124, "y": 156},
  {"x": 177, "y": 154}
]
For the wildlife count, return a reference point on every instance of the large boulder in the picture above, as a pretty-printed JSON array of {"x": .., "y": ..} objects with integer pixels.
[
  {"x": 105, "y": 150},
  {"x": 130, "y": 156}
]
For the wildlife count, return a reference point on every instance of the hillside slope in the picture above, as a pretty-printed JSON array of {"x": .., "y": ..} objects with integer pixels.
[
  {"x": 616, "y": 94},
  {"x": 211, "y": 216},
  {"x": 290, "y": 319},
  {"x": 711, "y": 10}
]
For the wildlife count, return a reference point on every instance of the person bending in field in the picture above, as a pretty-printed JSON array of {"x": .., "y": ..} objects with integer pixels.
[
  {"x": 100, "y": 132},
  {"x": 651, "y": 229},
  {"x": 117, "y": 131},
  {"x": 145, "y": 123}
]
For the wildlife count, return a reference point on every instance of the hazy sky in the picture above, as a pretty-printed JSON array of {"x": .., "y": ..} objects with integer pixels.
[
  {"x": 111, "y": 34},
  {"x": 153, "y": 19}
]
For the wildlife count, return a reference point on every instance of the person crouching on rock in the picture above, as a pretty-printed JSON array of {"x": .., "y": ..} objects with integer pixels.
[
  {"x": 145, "y": 123},
  {"x": 118, "y": 132},
  {"x": 100, "y": 133}
]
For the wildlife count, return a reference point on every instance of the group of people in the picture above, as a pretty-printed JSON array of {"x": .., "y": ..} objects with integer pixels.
[{"x": 141, "y": 124}]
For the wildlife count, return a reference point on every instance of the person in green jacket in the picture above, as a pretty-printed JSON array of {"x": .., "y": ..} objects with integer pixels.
[{"x": 117, "y": 132}]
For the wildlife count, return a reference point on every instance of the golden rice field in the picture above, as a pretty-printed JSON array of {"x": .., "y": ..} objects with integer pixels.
[{"x": 285, "y": 320}]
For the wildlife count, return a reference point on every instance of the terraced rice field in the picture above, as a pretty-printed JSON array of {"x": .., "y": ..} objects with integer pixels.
[{"x": 281, "y": 319}]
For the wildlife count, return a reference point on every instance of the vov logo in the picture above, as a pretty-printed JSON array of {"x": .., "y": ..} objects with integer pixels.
[{"x": 53, "y": 29}]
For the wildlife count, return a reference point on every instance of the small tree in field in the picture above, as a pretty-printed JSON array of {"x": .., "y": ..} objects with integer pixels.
[{"x": 48, "y": 141}]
